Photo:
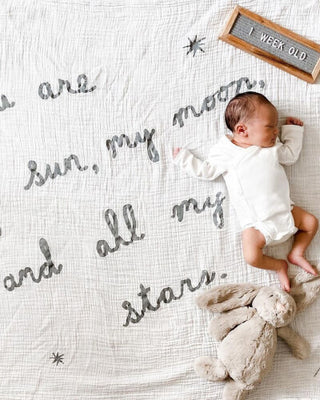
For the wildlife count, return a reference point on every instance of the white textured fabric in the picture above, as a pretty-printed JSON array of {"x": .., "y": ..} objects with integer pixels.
[
  {"x": 257, "y": 183},
  {"x": 112, "y": 240}
]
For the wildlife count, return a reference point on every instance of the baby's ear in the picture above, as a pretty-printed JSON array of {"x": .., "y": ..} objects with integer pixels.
[
  {"x": 241, "y": 129},
  {"x": 227, "y": 297}
]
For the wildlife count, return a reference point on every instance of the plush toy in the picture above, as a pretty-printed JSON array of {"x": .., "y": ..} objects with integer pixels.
[{"x": 250, "y": 319}]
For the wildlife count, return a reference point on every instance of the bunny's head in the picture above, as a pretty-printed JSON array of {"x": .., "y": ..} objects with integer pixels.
[
  {"x": 275, "y": 306},
  {"x": 272, "y": 304}
]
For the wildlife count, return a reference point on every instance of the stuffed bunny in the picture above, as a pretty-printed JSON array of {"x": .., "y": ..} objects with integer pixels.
[{"x": 251, "y": 319}]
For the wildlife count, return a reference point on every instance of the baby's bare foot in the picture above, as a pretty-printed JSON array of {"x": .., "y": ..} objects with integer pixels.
[
  {"x": 282, "y": 273},
  {"x": 298, "y": 259}
]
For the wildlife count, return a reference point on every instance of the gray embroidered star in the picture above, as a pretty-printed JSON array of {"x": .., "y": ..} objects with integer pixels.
[
  {"x": 194, "y": 45},
  {"x": 57, "y": 358}
]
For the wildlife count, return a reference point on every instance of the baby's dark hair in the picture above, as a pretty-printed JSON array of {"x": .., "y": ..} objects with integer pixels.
[{"x": 241, "y": 107}]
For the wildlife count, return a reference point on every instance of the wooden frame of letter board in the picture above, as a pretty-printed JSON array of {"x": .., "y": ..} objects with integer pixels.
[{"x": 264, "y": 55}]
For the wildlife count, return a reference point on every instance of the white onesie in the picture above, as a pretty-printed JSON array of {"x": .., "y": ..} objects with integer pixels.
[{"x": 257, "y": 183}]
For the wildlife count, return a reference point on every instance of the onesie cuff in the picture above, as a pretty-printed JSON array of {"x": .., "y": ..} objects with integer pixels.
[{"x": 292, "y": 128}]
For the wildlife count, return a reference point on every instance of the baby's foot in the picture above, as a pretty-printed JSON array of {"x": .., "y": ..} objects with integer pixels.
[
  {"x": 282, "y": 273},
  {"x": 298, "y": 259}
]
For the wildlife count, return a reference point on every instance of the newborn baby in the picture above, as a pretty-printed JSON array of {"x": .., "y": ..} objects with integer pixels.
[{"x": 250, "y": 162}]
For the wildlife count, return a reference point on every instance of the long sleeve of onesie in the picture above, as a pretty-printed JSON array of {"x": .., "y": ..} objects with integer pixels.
[
  {"x": 208, "y": 169},
  {"x": 257, "y": 183},
  {"x": 291, "y": 138}
]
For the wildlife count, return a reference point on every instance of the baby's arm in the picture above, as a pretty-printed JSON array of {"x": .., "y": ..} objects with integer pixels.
[
  {"x": 291, "y": 138},
  {"x": 206, "y": 170}
]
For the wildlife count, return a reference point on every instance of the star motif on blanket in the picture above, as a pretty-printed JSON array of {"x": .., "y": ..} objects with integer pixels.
[
  {"x": 57, "y": 358},
  {"x": 194, "y": 45}
]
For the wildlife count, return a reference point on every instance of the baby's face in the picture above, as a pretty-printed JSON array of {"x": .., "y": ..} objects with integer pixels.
[{"x": 262, "y": 128}]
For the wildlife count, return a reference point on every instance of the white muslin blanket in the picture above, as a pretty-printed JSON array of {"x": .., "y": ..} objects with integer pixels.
[{"x": 104, "y": 242}]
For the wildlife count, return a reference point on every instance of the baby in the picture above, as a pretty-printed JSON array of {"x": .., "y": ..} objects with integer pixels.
[{"x": 250, "y": 162}]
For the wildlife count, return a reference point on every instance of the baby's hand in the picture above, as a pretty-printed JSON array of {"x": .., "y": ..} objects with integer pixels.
[
  {"x": 176, "y": 151},
  {"x": 293, "y": 121}
]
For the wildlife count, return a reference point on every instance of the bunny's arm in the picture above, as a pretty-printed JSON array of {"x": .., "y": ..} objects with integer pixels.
[
  {"x": 220, "y": 326},
  {"x": 299, "y": 346}
]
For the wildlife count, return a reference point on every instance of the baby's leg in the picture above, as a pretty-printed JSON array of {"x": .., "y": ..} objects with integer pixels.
[
  {"x": 308, "y": 226},
  {"x": 253, "y": 242}
]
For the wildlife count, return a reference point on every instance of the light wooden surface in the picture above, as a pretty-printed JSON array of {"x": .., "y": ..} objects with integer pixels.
[{"x": 227, "y": 37}]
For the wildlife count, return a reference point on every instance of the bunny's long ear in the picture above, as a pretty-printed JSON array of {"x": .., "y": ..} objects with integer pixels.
[
  {"x": 227, "y": 297},
  {"x": 304, "y": 288}
]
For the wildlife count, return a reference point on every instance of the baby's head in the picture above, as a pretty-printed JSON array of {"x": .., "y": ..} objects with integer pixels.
[{"x": 252, "y": 119}]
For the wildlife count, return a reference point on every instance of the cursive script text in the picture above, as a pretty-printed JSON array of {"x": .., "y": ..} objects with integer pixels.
[
  {"x": 32, "y": 165},
  {"x": 45, "y": 90},
  {"x": 111, "y": 218},
  {"x": 166, "y": 296},
  {"x": 46, "y": 269},
  {"x": 209, "y": 102},
  {"x": 218, "y": 219}
]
